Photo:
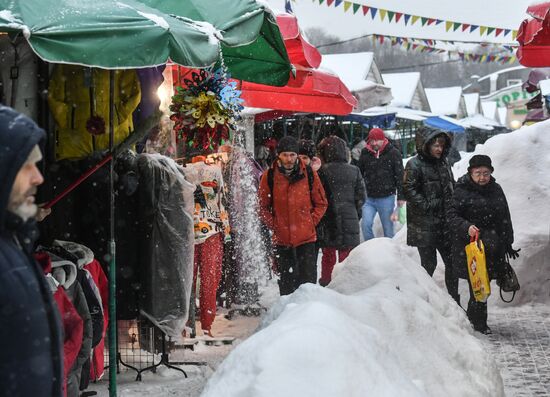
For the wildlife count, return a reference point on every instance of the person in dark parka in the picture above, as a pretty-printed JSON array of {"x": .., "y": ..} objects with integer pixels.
[
  {"x": 345, "y": 193},
  {"x": 479, "y": 207},
  {"x": 381, "y": 165},
  {"x": 30, "y": 328},
  {"x": 428, "y": 188}
]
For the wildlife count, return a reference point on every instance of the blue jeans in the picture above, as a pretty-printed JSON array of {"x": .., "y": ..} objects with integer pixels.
[{"x": 384, "y": 206}]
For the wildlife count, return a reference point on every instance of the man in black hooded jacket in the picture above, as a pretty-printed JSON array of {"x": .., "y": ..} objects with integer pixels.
[
  {"x": 30, "y": 330},
  {"x": 428, "y": 187}
]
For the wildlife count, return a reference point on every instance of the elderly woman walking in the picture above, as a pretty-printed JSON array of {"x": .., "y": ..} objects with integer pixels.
[{"x": 479, "y": 208}]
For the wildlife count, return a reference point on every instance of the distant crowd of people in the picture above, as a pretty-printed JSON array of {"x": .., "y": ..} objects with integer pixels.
[{"x": 312, "y": 198}]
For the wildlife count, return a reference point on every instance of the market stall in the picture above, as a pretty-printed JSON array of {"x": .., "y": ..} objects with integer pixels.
[{"x": 85, "y": 36}]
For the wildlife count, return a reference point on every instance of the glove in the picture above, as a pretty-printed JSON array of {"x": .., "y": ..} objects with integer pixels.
[{"x": 512, "y": 253}]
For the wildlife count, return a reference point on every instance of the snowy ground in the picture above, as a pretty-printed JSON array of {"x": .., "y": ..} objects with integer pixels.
[{"x": 383, "y": 327}]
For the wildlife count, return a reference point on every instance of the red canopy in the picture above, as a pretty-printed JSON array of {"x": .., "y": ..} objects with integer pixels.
[
  {"x": 534, "y": 37},
  {"x": 311, "y": 90}
]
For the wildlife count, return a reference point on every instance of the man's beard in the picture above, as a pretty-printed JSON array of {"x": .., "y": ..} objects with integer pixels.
[{"x": 26, "y": 209}]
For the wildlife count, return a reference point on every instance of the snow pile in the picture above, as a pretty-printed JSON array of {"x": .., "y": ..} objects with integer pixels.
[
  {"x": 522, "y": 163},
  {"x": 383, "y": 328}
]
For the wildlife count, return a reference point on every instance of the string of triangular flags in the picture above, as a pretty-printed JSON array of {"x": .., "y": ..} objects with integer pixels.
[
  {"x": 428, "y": 46},
  {"x": 395, "y": 17}
]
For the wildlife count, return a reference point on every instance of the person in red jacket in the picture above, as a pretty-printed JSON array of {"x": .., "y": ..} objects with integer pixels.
[{"x": 292, "y": 202}]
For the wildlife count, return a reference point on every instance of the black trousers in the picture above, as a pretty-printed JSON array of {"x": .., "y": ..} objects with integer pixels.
[
  {"x": 296, "y": 266},
  {"x": 428, "y": 259}
]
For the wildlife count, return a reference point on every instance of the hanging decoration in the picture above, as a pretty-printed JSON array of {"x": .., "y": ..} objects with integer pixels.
[
  {"x": 428, "y": 46},
  {"x": 400, "y": 17},
  {"x": 205, "y": 109}
]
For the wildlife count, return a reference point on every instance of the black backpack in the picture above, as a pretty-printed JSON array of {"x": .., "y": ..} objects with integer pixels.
[{"x": 320, "y": 228}]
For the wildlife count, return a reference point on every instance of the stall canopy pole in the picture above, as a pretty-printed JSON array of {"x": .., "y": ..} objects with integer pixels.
[{"x": 112, "y": 248}]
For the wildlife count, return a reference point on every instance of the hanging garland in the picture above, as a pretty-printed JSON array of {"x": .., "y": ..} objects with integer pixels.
[{"x": 205, "y": 110}]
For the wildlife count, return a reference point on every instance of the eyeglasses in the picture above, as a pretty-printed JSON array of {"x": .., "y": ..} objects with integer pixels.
[{"x": 477, "y": 174}]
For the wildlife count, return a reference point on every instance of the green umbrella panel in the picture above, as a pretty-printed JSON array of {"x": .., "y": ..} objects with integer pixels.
[{"x": 139, "y": 33}]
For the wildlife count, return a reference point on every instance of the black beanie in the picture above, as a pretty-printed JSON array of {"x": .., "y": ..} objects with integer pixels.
[
  {"x": 480, "y": 160},
  {"x": 288, "y": 144},
  {"x": 307, "y": 147}
]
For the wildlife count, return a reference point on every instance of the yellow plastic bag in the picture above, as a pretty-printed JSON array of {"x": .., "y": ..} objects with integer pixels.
[{"x": 477, "y": 270}]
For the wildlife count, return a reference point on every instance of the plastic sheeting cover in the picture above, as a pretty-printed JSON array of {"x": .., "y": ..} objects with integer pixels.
[{"x": 167, "y": 242}]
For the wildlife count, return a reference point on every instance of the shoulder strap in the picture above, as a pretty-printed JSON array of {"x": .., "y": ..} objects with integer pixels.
[
  {"x": 309, "y": 171},
  {"x": 270, "y": 180}
]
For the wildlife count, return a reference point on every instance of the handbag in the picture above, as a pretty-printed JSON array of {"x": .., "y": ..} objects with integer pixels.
[
  {"x": 508, "y": 281},
  {"x": 477, "y": 269}
]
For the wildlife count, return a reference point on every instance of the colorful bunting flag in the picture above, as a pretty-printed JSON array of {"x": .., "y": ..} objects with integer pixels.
[
  {"x": 373, "y": 12},
  {"x": 391, "y": 15}
]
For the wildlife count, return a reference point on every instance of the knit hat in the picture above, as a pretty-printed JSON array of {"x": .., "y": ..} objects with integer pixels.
[
  {"x": 307, "y": 147},
  {"x": 376, "y": 134},
  {"x": 288, "y": 144},
  {"x": 480, "y": 160}
]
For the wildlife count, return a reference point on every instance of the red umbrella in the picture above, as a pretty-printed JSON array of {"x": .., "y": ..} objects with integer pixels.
[
  {"x": 311, "y": 90},
  {"x": 534, "y": 37}
]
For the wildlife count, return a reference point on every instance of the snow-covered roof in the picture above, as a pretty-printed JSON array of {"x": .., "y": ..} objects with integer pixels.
[
  {"x": 403, "y": 87},
  {"x": 402, "y": 113},
  {"x": 353, "y": 69},
  {"x": 544, "y": 87},
  {"x": 489, "y": 109},
  {"x": 444, "y": 101},
  {"x": 503, "y": 116},
  {"x": 473, "y": 106},
  {"x": 479, "y": 121}
]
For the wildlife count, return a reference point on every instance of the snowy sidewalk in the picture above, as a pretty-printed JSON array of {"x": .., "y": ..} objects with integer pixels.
[{"x": 520, "y": 344}]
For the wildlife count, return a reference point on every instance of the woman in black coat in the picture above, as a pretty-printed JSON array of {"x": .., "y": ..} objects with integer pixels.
[
  {"x": 479, "y": 207},
  {"x": 345, "y": 191}
]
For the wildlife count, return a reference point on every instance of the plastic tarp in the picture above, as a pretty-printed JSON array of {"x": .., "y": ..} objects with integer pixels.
[
  {"x": 534, "y": 37},
  {"x": 166, "y": 245},
  {"x": 443, "y": 125},
  {"x": 386, "y": 120}
]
